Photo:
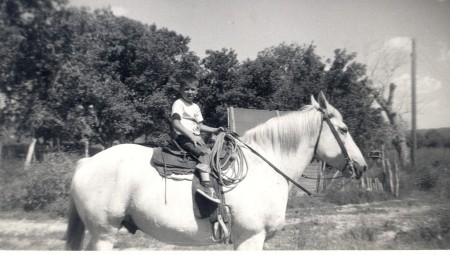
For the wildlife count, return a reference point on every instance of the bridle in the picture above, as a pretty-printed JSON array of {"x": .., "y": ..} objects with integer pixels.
[{"x": 348, "y": 160}]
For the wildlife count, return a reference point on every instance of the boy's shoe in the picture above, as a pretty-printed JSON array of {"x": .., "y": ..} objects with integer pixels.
[{"x": 209, "y": 194}]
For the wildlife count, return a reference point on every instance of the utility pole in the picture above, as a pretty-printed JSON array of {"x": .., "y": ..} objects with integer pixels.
[{"x": 413, "y": 104}]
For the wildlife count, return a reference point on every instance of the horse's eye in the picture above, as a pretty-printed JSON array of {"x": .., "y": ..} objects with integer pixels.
[{"x": 343, "y": 130}]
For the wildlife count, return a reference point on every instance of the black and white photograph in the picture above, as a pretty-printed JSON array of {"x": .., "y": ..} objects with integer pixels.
[{"x": 212, "y": 126}]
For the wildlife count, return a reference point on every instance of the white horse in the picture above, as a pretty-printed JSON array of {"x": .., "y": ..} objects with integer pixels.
[{"x": 120, "y": 182}]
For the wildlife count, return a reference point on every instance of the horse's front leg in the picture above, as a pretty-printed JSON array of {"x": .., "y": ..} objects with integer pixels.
[
  {"x": 102, "y": 238},
  {"x": 249, "y": 241}
]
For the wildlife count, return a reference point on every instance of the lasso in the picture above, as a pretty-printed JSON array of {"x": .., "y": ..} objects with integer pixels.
[{"x": 229, "y": 177}]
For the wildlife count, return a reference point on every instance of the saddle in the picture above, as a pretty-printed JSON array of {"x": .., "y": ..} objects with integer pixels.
[{"x": 174, "y": 162}]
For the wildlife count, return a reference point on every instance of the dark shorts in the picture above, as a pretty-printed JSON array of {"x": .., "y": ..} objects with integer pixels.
[{"x": 189, "y": 146}]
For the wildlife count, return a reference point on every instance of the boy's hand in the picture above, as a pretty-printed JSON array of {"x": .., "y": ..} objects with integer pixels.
[
  {"x": 220, "y": 129},
  {"x": 197, "y": 140}
]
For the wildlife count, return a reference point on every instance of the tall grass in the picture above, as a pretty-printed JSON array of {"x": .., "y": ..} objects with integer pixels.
[{"x": 431, "y": 174}]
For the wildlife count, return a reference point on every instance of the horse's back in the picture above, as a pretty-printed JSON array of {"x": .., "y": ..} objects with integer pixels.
[
  {"x": 111, "y": 162},
  {"x": 107, "y": 180}
]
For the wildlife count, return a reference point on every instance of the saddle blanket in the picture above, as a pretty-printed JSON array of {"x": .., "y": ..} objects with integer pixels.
[
  {"x": 168, "y": 162},
  {"x": 179, "y": 165}
]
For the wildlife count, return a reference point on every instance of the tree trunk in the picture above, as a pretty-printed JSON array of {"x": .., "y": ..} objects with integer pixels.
[
  {"x": 395, "y": 121},
  {"x": 399, "y": 142},
  {"x": 58, "y": 145},
  {"x": 30, "y": 153},
  {"x": 86, "y": 148}
]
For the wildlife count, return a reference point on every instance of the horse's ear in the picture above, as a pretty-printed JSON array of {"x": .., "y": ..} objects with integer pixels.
[
  {"x": 322, "y": 101},
  {"x": 314, "y": 102}
]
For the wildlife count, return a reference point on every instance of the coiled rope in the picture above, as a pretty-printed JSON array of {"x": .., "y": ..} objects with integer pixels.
[{"x": 232, "y": 169}]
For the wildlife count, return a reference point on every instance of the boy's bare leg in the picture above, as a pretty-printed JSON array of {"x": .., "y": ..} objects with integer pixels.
[{"x": 205, "y": 189}]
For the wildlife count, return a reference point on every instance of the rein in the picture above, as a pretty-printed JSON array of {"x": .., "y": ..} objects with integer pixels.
[{"x": 236, "y": 136}]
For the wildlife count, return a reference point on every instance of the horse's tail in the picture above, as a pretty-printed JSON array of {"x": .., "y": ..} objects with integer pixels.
[{"x": 75, "y": 229}]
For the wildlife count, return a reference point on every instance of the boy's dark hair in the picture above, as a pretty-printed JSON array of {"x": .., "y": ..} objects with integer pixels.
[{"x": 187, "y": 78}]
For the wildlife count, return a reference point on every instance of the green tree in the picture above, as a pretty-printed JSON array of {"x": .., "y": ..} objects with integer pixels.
[
  {"x": 28, "y": 69},
  {"x": 125, "y": 73},
  {"x": 219, "y": 86},
  {"x": 346, "y": 89},
  {"x": 302, "y": 75}
]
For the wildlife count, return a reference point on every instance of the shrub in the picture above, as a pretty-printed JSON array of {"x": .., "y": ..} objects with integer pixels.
[
  {"x": 12, "y": 179},
  {"x": 47, "y": 184},
  {"x": 431, "y": 174},
  {"x": 425, "y": 180},
  {"x": 352, "y": 193}
]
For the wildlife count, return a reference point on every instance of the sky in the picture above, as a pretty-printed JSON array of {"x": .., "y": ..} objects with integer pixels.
[{"x": 367, "y": 27}]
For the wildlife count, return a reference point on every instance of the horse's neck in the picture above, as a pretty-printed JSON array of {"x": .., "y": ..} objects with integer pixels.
[
  {"x": 292, "y": 164},
  {"x": 287, "y": 141}
]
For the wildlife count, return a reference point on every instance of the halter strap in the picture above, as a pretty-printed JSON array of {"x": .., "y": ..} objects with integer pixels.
[
  {"x": 320, "y": 133},
  {"x": 348, "y": 159}
]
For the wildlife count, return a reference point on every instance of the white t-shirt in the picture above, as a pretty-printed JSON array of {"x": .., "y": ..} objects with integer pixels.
[{"x": 190, "y": 114}]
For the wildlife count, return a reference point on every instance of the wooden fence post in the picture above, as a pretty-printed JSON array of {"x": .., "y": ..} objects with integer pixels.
[
  {"x": 231, "y": 120},
  {"x": 319, "y": 183},
  {"x": 397, "y": 179},
  {"x": 391, "y": 176}
]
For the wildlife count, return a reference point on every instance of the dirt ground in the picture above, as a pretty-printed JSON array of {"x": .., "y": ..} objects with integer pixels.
[
  {"x": 389, "y": 225},
  {"x": 395, "y": 224}
]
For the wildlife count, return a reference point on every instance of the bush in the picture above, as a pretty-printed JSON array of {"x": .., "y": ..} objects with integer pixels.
[
  {"x": 47, "y": 185},
  {"x": 425, "y": 180},
  {"x": 431, "y": 174},
  {"x": 352, "y": 193},
  {"x": 12, "y": 179}
]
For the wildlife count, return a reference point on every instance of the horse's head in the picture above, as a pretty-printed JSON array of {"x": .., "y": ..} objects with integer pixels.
[{"x": 335, "y": 145}]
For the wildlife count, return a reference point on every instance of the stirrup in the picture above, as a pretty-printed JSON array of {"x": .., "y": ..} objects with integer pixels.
[
  {"x": 209, "y": 197},
  {"x": 220, "y": 231}
]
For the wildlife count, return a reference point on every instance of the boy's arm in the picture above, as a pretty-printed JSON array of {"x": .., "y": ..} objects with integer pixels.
[
  {"x": 209, "y": 129},
  {"x": 197, "y": 140}
]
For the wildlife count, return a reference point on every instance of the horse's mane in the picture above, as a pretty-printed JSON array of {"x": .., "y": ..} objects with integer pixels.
[{"x": 286, "y": 133}]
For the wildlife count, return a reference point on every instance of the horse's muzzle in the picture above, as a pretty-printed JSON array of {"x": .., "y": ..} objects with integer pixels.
[{"x": 359, "y": 172}]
